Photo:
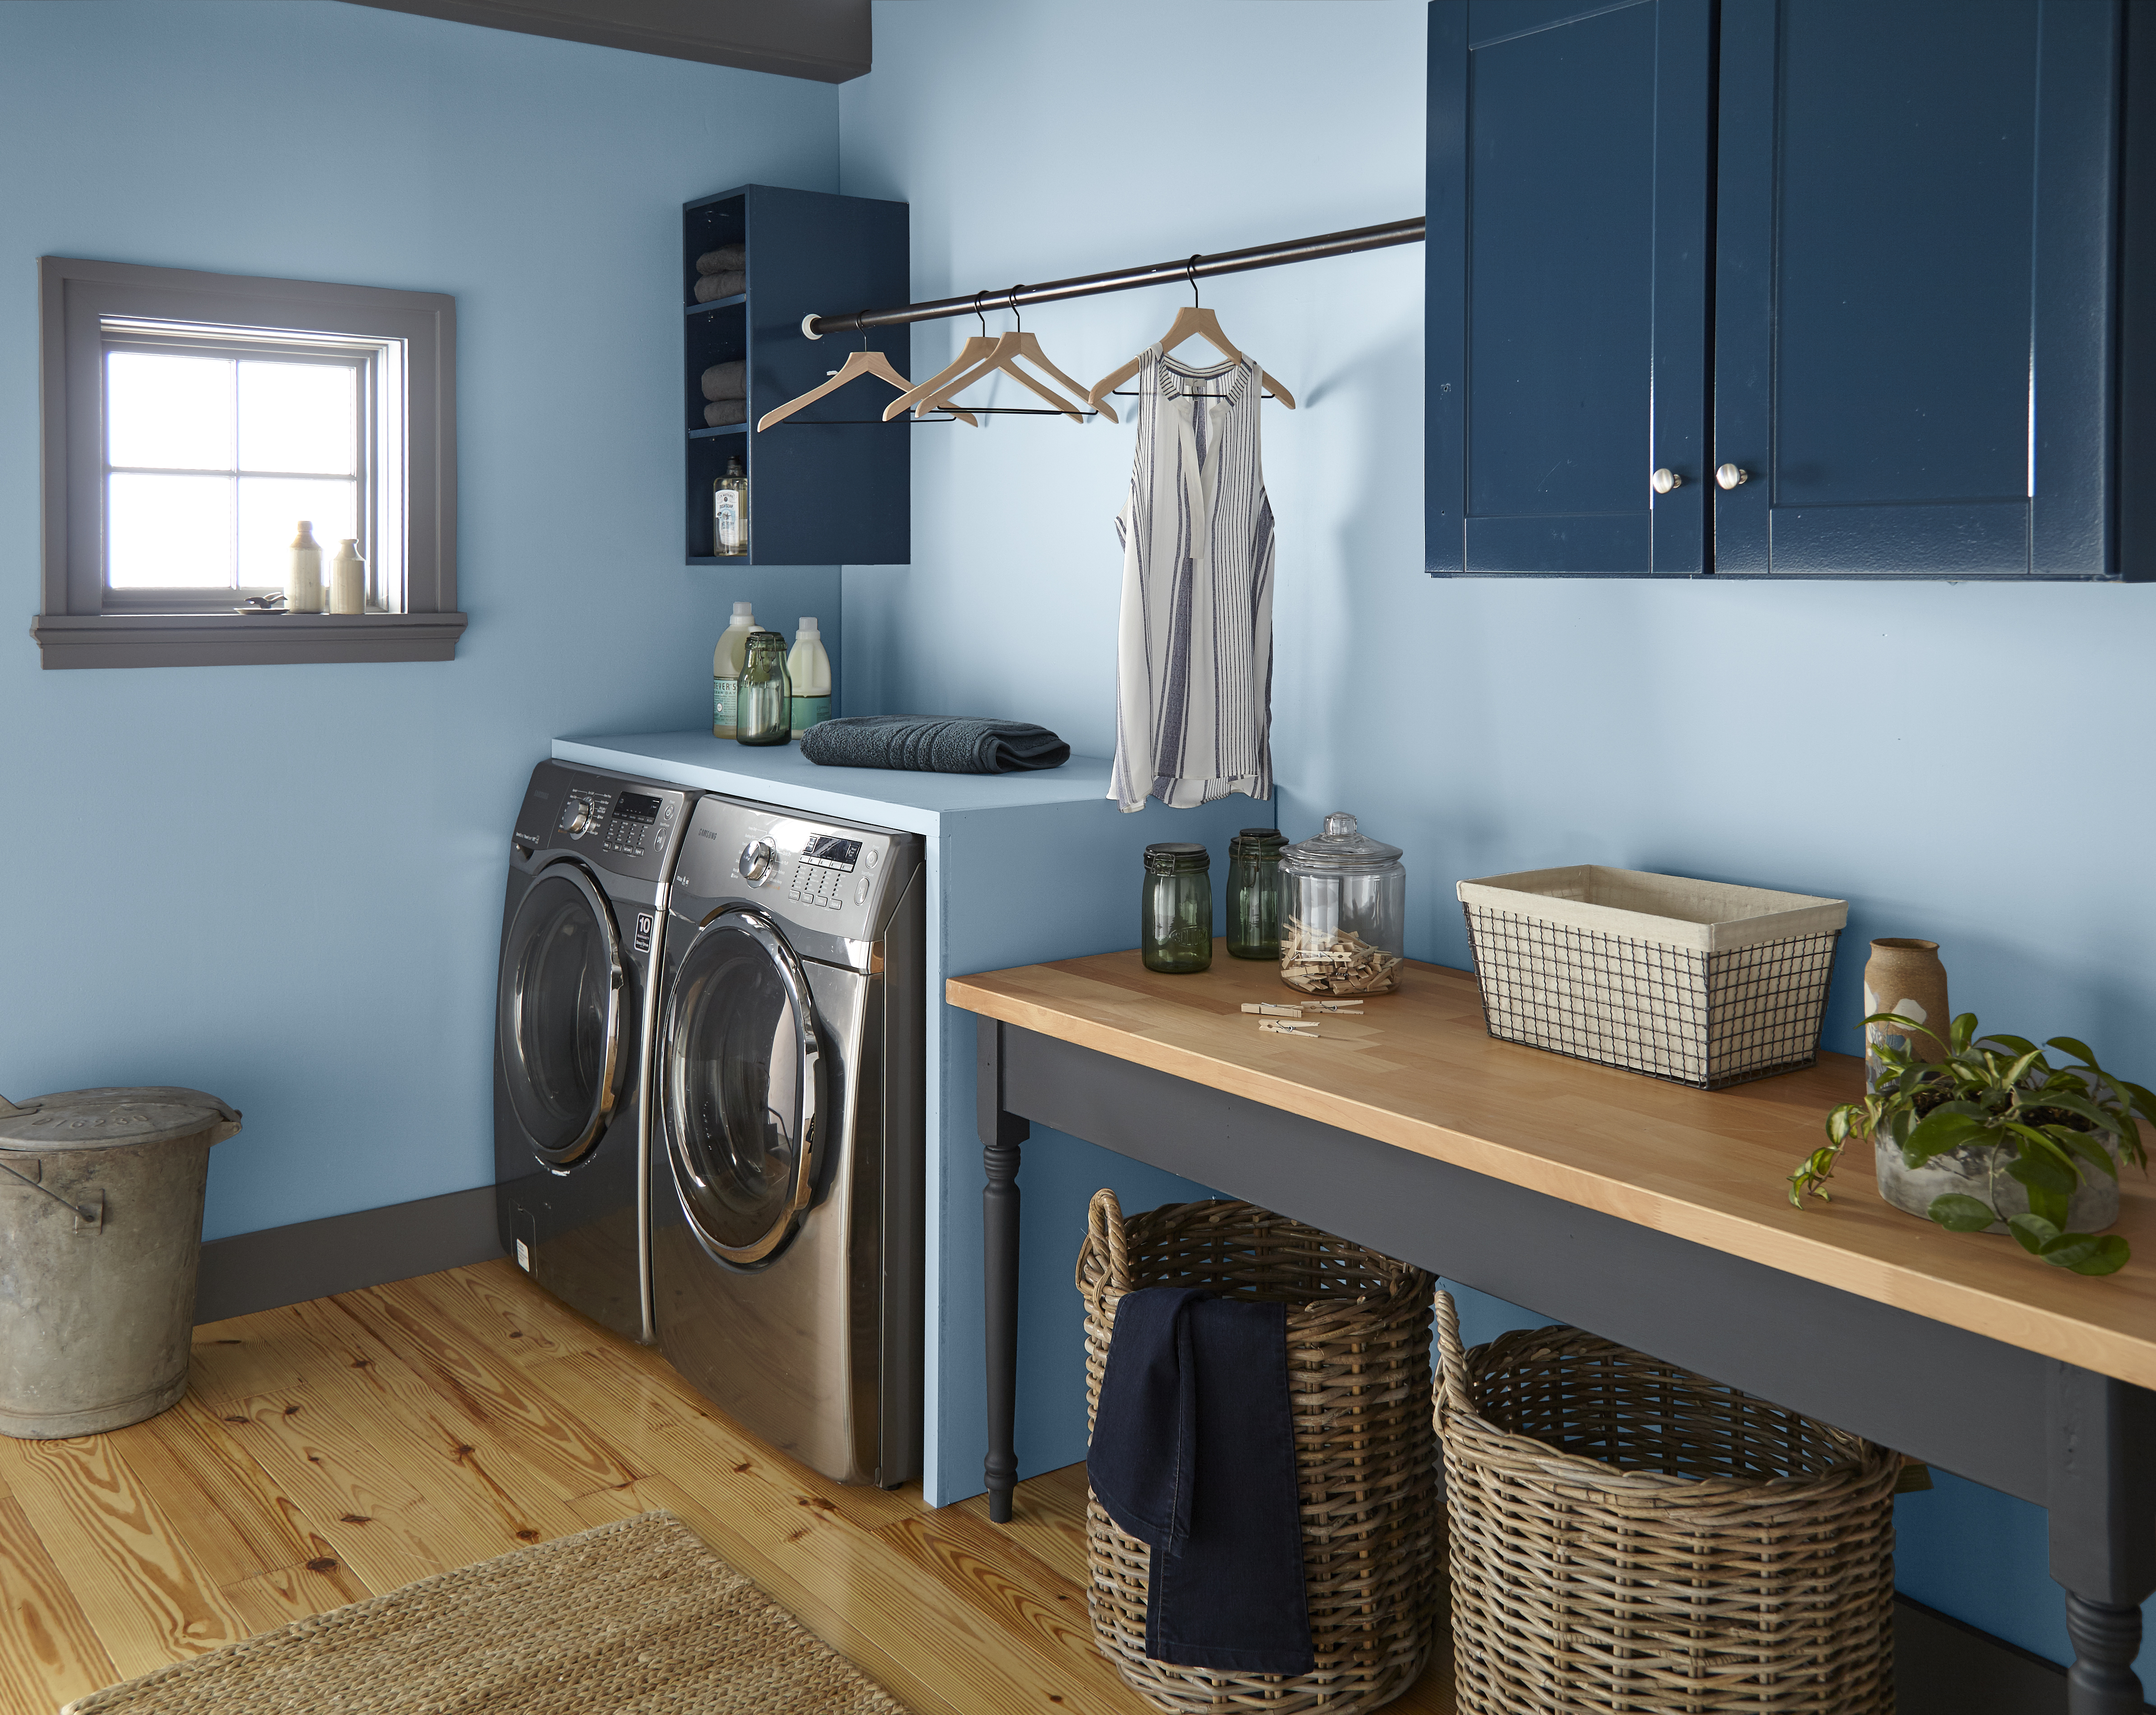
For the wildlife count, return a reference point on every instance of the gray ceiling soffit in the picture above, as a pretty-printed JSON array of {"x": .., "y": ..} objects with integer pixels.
[{"x": 825, "y": 40}]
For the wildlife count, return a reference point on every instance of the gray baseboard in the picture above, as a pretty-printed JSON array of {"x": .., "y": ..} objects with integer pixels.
[
  {"x": 341, "y": 1253},
  {"x": 1941, "y": 1666}
]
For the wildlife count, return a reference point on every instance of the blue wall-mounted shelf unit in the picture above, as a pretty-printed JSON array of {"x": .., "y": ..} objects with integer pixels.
[{"x": 826, "y": 488}]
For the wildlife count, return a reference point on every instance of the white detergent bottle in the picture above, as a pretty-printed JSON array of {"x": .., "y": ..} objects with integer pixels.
[
  {"x": 810, "y": 670},
  {"x": 726, "y": 670}
]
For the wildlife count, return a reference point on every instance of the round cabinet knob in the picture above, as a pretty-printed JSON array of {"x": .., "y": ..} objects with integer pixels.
[
  {"x": 1728, "y": 476},
  {"x": 758, "y": 859},
  {"x": 1666, "y": 480}
]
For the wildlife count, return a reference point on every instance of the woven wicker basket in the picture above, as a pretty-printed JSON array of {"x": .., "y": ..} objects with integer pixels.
[
  {"x": 1628, "y": 1536},
  {"x": 1358, "y": 1359}
]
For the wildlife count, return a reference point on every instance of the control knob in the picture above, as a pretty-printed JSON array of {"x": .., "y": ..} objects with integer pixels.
[
  {"x": 581, "y": 818},
  {"x": 758, "y": 859}
]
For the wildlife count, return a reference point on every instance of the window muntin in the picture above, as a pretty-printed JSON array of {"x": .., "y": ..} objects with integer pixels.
[{"x": 219, "y": 440}]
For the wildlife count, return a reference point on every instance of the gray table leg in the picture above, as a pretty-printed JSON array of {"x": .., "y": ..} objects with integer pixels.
[
  {"x": 1001, "y": 1134},
  {"x": 2103, "y": 1531}
]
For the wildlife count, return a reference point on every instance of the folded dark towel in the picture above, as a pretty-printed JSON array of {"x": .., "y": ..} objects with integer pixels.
[
  {"x": 1194, "y": 1453},
  {"x": 936, "y": 744},
  {"x": 720, "y": 412},
  {"x": 727, "y": 258},
  {"x": 726, "y": 381},
  {"x": 720, "y": 286}
]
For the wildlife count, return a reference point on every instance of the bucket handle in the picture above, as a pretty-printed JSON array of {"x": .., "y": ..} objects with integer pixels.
[
  {"x": 1104, "y": 1221},
  {"x": 92, "y": 1218},
  {"x": 1451, "y": 1361}
]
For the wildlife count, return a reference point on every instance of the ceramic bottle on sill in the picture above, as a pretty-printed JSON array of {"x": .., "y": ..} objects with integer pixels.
[
  {"x": 303, "y": 577},
  {"x": 347, "y": 578}
]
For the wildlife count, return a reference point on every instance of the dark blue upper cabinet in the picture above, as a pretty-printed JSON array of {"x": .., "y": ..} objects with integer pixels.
[
  {"x": 1567, "y": 281},
  {"x": 1913, "y": 300}
]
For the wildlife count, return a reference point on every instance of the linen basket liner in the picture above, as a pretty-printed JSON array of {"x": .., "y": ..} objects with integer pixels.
[
  {"x": 1720, "y": 1556},
  {"x": 1665, "y": 911},
  {"x": 1358, "y": 1369}
]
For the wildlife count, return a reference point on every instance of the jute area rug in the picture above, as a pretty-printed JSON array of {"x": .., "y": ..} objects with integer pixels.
[{"x": 634, "y": 1618}]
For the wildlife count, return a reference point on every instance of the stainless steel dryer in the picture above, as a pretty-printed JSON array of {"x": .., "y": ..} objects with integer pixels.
[
  {"x": 581, "y": 933},
  {"x": 787, "y": 1206}
]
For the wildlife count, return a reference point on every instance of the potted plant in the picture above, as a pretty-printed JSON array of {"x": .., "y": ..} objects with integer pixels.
[{"x": 1994, "y": 1138}]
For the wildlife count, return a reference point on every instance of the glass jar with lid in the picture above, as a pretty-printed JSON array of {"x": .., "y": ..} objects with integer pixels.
[
  {"x": 1177, "y": 909},
  {"x": 1344, "y": 913},
  {"x": 1254, "y": 893}
]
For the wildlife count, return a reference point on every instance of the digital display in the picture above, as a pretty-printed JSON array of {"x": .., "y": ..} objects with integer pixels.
[
  {"x": 833, "y": 849},
  {"x": 644, "y": 809}
]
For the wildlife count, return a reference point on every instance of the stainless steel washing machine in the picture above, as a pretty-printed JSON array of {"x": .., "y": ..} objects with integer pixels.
[
  {"x": 788, "y": 1155},
  {"x": 581, "y": 930}
]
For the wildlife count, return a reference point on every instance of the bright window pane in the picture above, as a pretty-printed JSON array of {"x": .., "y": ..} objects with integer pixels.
[
  {"x": 270, "y": 508},
  {"x": 169, "y": 411},
  {"x": 298, "y": 417},
  {"x": 169, "y": 532}
]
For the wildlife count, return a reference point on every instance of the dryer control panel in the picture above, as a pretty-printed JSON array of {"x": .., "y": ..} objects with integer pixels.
[{"x": 806, "y": 872}]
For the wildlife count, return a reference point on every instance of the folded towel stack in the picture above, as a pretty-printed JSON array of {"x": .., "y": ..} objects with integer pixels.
[
  {"x": 722, "y": 273},
  {"x": 725, "y": 385},
  {"x": 934, "y": 744}
]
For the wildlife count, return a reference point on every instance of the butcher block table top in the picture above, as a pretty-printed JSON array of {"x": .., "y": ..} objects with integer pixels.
[{"x": 1419, "y": 1072}]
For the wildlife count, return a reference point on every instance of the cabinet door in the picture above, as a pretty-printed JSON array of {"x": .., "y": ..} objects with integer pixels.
[
  {"x": 1566, "y": 286},
  {"x": 1913, "y": 305}
]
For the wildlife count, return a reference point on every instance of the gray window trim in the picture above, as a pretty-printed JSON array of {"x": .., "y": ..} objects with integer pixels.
[{"x": 74, "y": 629}]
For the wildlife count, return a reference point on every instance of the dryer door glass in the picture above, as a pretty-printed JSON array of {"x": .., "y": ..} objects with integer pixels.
[
  {"x": 741, "y": 1087},
  {"x": 559, "y": 1014}
]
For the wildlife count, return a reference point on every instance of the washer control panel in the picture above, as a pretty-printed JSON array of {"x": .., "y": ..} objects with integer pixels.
[
  {"x": 629, "y": 827},
  {"x": 816, "y": 874}
]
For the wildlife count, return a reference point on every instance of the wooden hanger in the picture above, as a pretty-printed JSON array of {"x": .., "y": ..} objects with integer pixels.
[
  {"x": 1003, "y": 354},
  {"x": 857, "y": 364},
  {"x": 1192, "y": 321},
  {"x": 977, "y": 346}
]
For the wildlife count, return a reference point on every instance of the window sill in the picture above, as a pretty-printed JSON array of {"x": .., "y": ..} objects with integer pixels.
[{"x": 237, "y": 640}]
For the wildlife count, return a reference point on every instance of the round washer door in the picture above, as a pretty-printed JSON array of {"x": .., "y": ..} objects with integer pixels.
[
  {"x": 740, "y": 1080},
  {"x": 558, "y": 1014}
]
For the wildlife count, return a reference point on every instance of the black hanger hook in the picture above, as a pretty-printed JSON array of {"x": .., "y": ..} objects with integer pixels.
[
  {"x": 1012, "y": 296},
  {"x": 1190, "y": 269},
  {"x": 983, "y": 320}
]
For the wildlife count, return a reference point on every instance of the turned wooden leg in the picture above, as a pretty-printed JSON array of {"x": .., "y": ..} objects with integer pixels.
[
  {"x": 2107, "y": 1637},
  {"x": 1001, "y": 1134},
  {"x": 2103, "y": 1532}
]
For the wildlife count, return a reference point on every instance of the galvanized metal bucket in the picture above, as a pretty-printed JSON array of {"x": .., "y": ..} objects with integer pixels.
[{"x": 100, "y": 1234}]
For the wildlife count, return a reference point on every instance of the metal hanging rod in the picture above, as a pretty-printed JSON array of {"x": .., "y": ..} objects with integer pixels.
[{"x": 1125, "y": 279}]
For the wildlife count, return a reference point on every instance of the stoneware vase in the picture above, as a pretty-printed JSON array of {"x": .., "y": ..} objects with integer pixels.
[{"x": 1905, "y": 977}]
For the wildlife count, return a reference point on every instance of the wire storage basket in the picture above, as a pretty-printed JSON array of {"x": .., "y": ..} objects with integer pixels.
[
  {"x": 1366, "y": 1457},
  {"x": 1700, "y": 982},
  {"x": 1628, "y": 1536}
]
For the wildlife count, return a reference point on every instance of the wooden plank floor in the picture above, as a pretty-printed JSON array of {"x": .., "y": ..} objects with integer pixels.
[{"x": 336, "y": 1449}]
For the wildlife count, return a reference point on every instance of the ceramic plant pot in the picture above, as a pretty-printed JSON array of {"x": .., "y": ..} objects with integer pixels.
[
  {"x": 1904, "y": 977},
  {"x": 2093, "y": 1206}
]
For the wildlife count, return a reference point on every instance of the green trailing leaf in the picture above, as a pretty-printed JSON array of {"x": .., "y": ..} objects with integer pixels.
[
  {"x": 2032, "y": 1231},
  {"x": 2019, "y": 1069},
  {"x": 2081, "y": 1144},
  {"x": 2110, "y": 1253},
  {"x": 1960, "y": 1213},
  {"x": 2068, "y": 1045},
  {"x": 1939, "y": 1132},
  {"x": 2013, "y": 1044},
  {"x": 2070, "y": 1249},
  {"x": 1960, "y": 1032}
]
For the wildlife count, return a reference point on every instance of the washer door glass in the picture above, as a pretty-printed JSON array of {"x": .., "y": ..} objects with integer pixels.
[
  {"x": 740, "y": 1086},
  {"x": 559, "y": 1014}
]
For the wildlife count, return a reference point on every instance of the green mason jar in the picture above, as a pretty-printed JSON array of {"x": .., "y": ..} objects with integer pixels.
[
  {"x": 1254, "y": 892},
  {"x": 764, "y": 712},
  {"x": 1178, "y": 908}
]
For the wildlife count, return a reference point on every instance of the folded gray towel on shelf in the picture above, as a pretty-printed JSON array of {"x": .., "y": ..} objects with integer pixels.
[
  {"x": 934, "y": 744},
  {"x": 720, "y": 412},
  {"x": 727, "y": 258},
  {"x": 726, "y": 381},
  {"x": 720, "y": 286}
]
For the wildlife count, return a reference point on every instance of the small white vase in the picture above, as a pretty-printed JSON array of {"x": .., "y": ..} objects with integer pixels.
[{"x": 2093, "y": 1206}]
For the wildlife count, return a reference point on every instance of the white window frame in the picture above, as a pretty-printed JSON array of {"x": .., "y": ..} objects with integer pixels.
[{"x": 404, "y": 345}]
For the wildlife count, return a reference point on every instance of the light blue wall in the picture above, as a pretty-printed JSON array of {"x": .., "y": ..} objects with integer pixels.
[
  {"x": 284, "y": 884},
  {"x": 1773, "y": 735}
]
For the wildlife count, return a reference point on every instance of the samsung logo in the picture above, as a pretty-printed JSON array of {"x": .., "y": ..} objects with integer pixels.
[{"x": 707, "y": 834}]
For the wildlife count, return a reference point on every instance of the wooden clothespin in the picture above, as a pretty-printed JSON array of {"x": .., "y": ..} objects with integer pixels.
[
  {"x": 1353, "y": 1007},
  {"x": 1269, "y": 1010},
  {"x": 1289, "y": 1027}
]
